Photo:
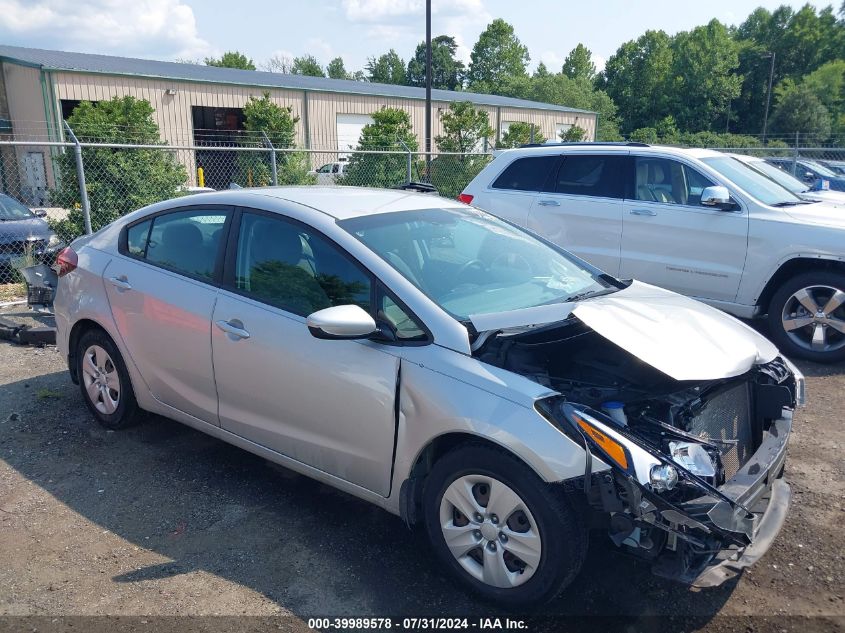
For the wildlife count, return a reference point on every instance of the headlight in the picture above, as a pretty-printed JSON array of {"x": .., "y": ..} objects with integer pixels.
[
  {"x": 54, "y": 241},
  {"x": 800, "y": 383},
  {"x": 663, "y": 477}
]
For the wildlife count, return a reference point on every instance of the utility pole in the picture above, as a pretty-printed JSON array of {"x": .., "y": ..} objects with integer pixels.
[
  {"x": 768, "y": 94},
  {"x": 428, "y": 90}
]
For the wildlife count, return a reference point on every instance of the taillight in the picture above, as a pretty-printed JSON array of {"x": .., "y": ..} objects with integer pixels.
[
  {"x": 465, "y": 198},
  {"x": 66, "y": 261}
]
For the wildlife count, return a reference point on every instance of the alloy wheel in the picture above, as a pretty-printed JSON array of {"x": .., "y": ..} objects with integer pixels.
[
  {"x": 101, "y": 380},
  {"x": 490, "y": 531},
  {"x": 814, "y": 318}
]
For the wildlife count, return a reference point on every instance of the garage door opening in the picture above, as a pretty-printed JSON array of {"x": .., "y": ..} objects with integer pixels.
[{"x": 217, "y": 127}]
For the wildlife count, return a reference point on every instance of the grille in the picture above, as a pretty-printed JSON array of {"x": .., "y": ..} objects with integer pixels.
[{"x": 727, "y": 416}]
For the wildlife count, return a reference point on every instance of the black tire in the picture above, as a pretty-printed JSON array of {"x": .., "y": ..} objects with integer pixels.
[
  {"x": 561, "y": 529},
  {"x": 782, "y": 295},
  {"x": 127, "y": 412}
]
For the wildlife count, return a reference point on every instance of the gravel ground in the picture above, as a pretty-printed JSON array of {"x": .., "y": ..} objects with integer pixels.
[{"x": 163, "y": 520}]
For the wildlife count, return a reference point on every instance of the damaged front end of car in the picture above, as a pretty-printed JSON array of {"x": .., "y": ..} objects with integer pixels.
[{"x": 694, "y": 483}]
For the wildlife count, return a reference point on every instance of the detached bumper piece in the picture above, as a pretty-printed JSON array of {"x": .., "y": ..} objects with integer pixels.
[{"x": 26, "y": 335}]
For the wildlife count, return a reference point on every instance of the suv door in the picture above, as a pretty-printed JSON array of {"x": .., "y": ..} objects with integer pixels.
[
  {"x": 326, "y": 403},
  {"x": 671, "y": 240},
  {"x": 514, "y": 190},
  {"x": 581, "y": 207},
  {"x": 161, "y": 292}
]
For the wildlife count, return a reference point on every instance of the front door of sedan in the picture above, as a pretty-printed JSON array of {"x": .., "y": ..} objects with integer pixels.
[
  {"x": 161, "y": 294},
  {"x": 326, "y": 403},
  {"x": 671, "y": 240}
]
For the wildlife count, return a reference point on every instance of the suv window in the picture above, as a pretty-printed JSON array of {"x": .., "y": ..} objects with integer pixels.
[
  {"x": 185, "y": 241},
  {"x": 286, "y": 265},
  {"x": 668, "y": 181},
  {"x": 526, "y": 174},
  {"x": 592, "y": 175}
]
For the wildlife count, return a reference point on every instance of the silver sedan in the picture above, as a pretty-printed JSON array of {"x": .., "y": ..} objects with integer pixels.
[{"x": 447, "y": 366}]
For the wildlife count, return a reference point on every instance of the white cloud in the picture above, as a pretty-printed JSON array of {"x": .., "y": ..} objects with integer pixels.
[
  {"x": 600, "y": 62},
  {"x": 552, "y": 60},
  {"x": 152, "y": 28},
  {"x": 321, "y": 49}
]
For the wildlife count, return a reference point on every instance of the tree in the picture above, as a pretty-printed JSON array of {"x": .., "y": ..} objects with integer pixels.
[
  {"x": 520, "y": 133},
  {"x": 446, "y": 71},
  {"x": 578, "y": 93},
  {"x": 801, "y": 111},
  {"x": 279, "y": 124},
  {"x": 117, "y": 181},
  {"x": 278, "y": 64},
  {"x": 579, "y": 64},
  {"x": 391, "y": 127},
  {"x": 307, "y": 65},
  {"x": 386, "y": 69},
  {"x": 231, "y": 59},
  {"x": 464, "y": 130},
  {"x": 497, "y": 57},
  {"x": 574, "y": 134},
  {"x": 336, "y": 69}
]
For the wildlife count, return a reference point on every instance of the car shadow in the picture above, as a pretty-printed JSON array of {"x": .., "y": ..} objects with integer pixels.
[{"x": 313, "y": 550}]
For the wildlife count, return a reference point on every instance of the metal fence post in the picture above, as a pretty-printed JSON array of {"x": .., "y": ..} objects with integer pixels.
[
  {"x": 275, "y": 174},
  {"x": 408, "y": 168},
  {"x": 80, "y": 177},
  {"x": 795, "y": 155}
]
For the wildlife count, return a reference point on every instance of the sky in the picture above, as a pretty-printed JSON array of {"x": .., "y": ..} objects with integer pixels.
[{"x": 352, "y": 29}]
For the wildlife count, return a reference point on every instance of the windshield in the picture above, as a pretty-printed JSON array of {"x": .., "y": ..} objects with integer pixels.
[
  {"x": 11, "y": 209},
  {"x": 778, "y": 175},
  {"x": 752, "y": 181},
  {"x": 470, "y": 263},
  {"x": 820, "y": 169}
]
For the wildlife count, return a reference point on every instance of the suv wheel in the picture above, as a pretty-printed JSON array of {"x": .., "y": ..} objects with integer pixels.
[
  {"x": 807, "y": 317},
  {"x": 501, "y": 530},
  {"x": 104, "y": 381}
]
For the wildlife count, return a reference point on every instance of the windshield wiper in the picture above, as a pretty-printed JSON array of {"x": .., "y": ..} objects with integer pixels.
[
  {"x": 590, "y": 293},
  {"x": 786, "y": 203}
]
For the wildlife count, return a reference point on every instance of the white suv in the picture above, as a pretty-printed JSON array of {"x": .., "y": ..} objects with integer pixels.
[{"x": 694, "y": 221}]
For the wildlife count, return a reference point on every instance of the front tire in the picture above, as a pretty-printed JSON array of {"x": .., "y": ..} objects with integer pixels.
[
  {"x": 104, "y": 381},
  {"x": 807, "y": 317},
  {"x": 503, "y": 532}
]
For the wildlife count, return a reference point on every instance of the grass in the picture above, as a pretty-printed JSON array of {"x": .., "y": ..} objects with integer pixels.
[
  {"x": 13, "y": 291},
  {"x": 44, "y": 394}
]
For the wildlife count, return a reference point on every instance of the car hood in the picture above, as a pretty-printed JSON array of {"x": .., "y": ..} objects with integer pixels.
[
  {"x": 17, "y": 230},
  {"x": 825, "y": 213},
  {"x": 835, "y": 198},
  {"x": 683, "y": 338}
]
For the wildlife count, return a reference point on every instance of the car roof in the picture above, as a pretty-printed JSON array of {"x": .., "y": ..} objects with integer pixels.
[
  {"x": 624, "y": 148},
  {"x": 340, "y": 203}
]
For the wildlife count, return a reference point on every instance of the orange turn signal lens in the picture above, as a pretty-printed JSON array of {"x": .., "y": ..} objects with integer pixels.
[{"x": 614, "y": 449}]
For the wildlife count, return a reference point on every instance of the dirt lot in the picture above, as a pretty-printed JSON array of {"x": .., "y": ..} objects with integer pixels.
[{"x": 163, "y": 520}]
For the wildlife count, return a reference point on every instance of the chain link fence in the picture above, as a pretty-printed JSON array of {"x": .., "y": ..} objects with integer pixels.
[{"x": 53, "y": 192}]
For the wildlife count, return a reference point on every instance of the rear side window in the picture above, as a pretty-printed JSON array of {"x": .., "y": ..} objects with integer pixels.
[
  {"x": 136, "y": 238},
  {"x": 526, "y": 174},
  {"x": 592, "y": 175}
]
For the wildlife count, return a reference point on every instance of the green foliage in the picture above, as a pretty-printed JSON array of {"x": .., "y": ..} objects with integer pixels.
[
  {"x": 579, "y": 64},
  {"x": 117, "y": 180},
  {"x": 803, "y": 112},
  {"x": 231, "y": 59},
  {"x": 447, "y": 72},
  {"x": 336, "y": 69},
  {"x": 307, "y": 65},
  {"x": 464, "y": 127},
  {"x": 520, "y": 133},
  {"x": 574, "y": 134},
  {"x": 644, "y": 135},
  {"x": 576, "y": 93},
  {"x": 390, "y": 128},
  {"x": 497, "y": 58},
  {"x": 386, "y": 69},
  {"x": 279, "y": 124}
]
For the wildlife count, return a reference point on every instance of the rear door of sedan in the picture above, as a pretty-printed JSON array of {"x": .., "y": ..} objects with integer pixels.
[{"x": 326, "y": 403}]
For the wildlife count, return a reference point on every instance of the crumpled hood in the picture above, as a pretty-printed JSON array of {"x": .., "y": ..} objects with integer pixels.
[{"x": 683, "y": 338}]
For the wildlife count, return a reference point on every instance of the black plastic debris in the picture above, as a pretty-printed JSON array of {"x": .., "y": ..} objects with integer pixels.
[{"x": 25, "y": 334}]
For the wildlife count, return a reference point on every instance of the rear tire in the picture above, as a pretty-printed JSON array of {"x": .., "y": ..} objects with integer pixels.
[
  {"x": 527, "y": 555},
  {"x": 807, "y": 317},
  {"x": 104, "y": 381}
]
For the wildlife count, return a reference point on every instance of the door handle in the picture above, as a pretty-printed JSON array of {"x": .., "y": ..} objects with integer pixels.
[
  {"x": 233, "y": 327},
  {"x": 548, "y": 203},
  {"x": 642, "y": 212},
  {"x": 121, "y": 283}
]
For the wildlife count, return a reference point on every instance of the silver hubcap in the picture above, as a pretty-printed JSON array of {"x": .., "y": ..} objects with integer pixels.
[
  {"x": 490, "y": 531},
  {"x": 99, "y": 375},
  {"x": 814, "y": 318}
]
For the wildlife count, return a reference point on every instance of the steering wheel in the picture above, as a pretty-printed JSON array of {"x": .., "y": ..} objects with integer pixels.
[{"x": 473, "y": 263}]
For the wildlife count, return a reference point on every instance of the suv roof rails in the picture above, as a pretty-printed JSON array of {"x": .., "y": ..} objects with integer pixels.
[
  {"x": 593, "y": 143},
  {"x": 419, "y": 187}
]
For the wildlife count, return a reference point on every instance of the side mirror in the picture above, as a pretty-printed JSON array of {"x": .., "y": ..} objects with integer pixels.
[
  {"x": 341, "y": 322},
  {"x": 40, "y": 213},
  {"x": 718, "y": 197},
  {"x": 808, "y": 176}
]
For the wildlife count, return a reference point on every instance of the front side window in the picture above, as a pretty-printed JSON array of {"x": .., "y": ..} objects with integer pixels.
[
  {"x": 592, "y": 175},
  {"x": 471, "y": 263},
  {"x": 753, "y": 182},
  {"x": 11, "y": 209},
  {"x": 668, "y": 181},
  {"x": 288, "y": 266},
  {"x": 184, "y": 241},
  {"x": 526, "y": 174}
]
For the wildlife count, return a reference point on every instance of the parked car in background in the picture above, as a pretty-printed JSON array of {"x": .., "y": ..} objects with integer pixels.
[
  {"x": 790, "y": 182},
  {"x": 809, "y": 171},
  {"x": 691, "y": 220},
  {"x": 25, "y": 234},
  {"x": 447, "y": 366},
  {"x": 836, "y": 166},
  {"x": 329, "y": 173}
]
